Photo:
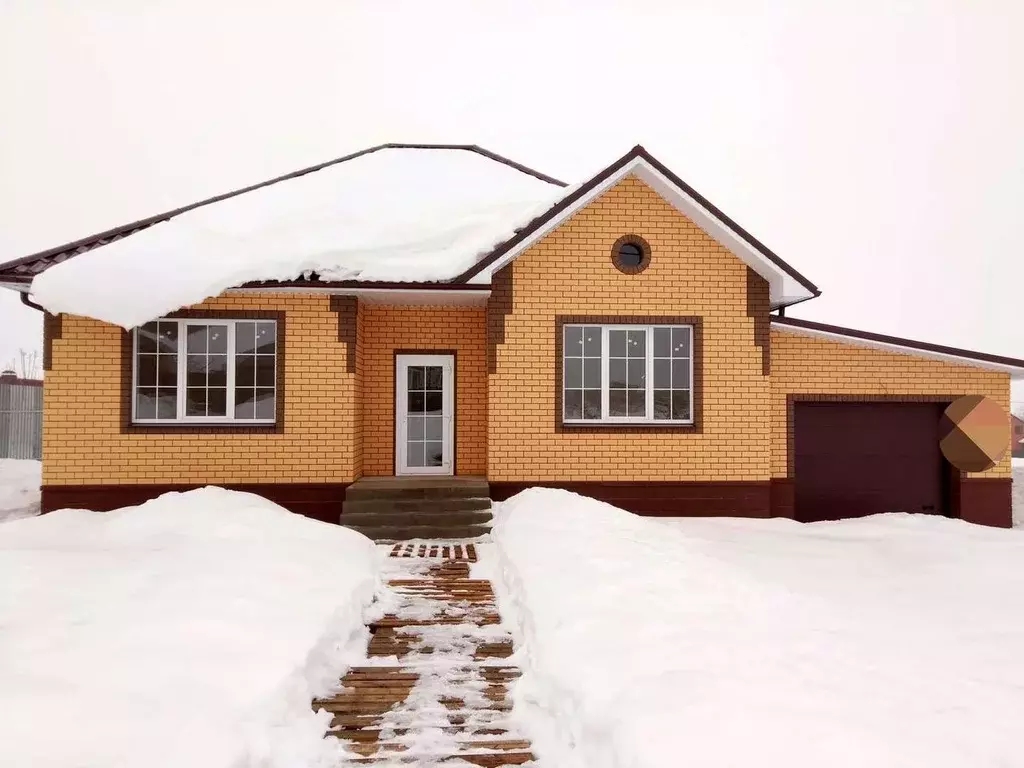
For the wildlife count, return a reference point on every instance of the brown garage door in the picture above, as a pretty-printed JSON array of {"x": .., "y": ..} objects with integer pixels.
[{"x": 856, "y": 459}]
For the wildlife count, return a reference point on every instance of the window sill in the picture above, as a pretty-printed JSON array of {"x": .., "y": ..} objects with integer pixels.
[
  {"x": 203, "y": 427},
  {"x": 639, "y": 425}
]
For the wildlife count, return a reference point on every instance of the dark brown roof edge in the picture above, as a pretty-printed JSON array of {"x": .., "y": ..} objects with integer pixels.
[
  {"x": 636, "y": 152},
  {"x": 21, "y": 382},
  {"x": 362, "y": 284},
  {"x": 924, "y": 346},
  {"x": 151, "y": 220}
]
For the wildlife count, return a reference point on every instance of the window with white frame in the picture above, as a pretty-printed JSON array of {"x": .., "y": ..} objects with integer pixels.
[
  {"x": 205, "y": 371},
  {"x": 627, "y": 374}
]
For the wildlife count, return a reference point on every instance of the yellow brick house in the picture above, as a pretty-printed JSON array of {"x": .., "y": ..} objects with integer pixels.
[{"x": 622, "y": 338}]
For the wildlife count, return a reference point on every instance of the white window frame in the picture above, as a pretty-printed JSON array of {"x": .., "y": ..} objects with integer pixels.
[
  {"x": 182, "y": 419},
  {"x": 648, "y": 417}
]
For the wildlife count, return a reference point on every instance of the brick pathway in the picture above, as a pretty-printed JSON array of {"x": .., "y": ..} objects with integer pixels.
[{"x": 434, "y": 687}]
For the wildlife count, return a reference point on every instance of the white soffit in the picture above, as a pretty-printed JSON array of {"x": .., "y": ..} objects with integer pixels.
[{"x": 783, "y": 287}]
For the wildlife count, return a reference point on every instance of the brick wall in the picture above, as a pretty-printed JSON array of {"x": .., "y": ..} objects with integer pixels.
[
  {"x": 386, "y": 329},
  {"x": 570, "y": 272},
  {"x": 83, "y": 443},
  {"x": 803, "y": 364}
]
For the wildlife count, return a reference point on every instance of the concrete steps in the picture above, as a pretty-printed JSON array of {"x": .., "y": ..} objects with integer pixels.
[{"x": 401, "y": 508}]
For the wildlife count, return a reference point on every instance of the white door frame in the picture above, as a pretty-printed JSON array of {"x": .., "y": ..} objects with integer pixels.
[{"x": 447, "y": 363}]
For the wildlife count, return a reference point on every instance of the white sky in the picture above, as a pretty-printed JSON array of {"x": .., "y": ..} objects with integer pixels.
[{"x": 873, "y": 145}]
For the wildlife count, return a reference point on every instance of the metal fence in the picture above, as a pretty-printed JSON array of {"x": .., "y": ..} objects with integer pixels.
[{"x": 21, "y": 419}]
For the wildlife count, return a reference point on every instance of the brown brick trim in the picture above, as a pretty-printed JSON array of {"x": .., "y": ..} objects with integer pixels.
[
  {"x": 792, "y": 399},
  {"x": 499, "y": 306},
  {"x": 783, "y": 497},
  {"x": 455, "y": 402},
  {"x": 727, "y": 498},
  {"x": 321, "y": 501},
  {"x": 985, "y": 501},
  {"x": 53, "y": 328},
  {"x": 347, "y": 309},
  {"x": 639, "y": 242},
  {"x": 759, "y": 310},
  {"x": 698, "y": 373},
  {"x": 127, "y": 427}
]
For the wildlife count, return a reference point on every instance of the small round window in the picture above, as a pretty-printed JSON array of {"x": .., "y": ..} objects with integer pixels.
[{"x": 631, "y": 254}]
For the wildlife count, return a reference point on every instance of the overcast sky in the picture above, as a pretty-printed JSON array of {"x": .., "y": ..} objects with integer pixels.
[{"x": 876, "y": 146}]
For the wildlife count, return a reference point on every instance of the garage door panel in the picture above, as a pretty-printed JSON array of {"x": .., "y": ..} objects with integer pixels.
[{"x": 856, "y": 459}]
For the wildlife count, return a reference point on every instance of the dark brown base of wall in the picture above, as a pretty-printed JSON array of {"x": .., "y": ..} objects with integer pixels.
[
  {"x": 984, "y": 500},
  {"x": 320, "y": 501},
  {"x": 664, "y": 499}
]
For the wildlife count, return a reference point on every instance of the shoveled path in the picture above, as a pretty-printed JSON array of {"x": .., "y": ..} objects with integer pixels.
[{"x": 434, "y": 687}]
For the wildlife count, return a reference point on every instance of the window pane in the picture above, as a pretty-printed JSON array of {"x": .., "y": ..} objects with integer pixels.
[
  {"x": 434, "y": 427},
  {"x": 145, "y": 403},
  {"x": 680, "y": 374},
  {"x": 573, "y": 373},
  {"x": 434, "y": 454},
  {"x": 592, "y": 341},
  {"x": 146, "y": 336},
  {"x": 168, "y": 333},
  {"x": 217, "y": 368},
  {"x": 662, "y": 374},
  {"x": 616, "y": 402},
  {"x": 662, "y": 342},
  {"x": 245, "y": 337},
  {"x": 414, "y": 454},
  {"x": 415, "y": 427},
  {"x": 636, "y": 402},
  {"x": 195, "y": 370},
  {"x": 636, "y": 343},
  {"x": 264, "y": 371},
  {"x": 662, "y": 404},
  {"x": 680, "y": 404},
  {"x": 680, "y": 342},
  {"x": 266, "y": 337},
  {"x": 264, "y": 403},
  {"x": 434, "y": 377},
  {"x": 167, "y": 370},
  {"x": 432, "y": 402},
  {"x": 415, "y": 402},
  {"x": 616, "y": 343},
  {"x": 195, "y": 401},
  {"x": 573, "y": 342},
  {"x": 617, "y": 373},
  {"x": 592, "y": 373},
  {"x": 245, "y": 370},
  {"x": 573, "y": 404},
  {"x": 167, "y": 403},
  {"x": 417, "y": 377},
  {"x": 195, "y": 342},
  {"x": 592, "y": 404},
  {"x": 218, "y": 339},
  {"x": 245, "y": 407},
  {"x": 147, "y": 370},
  {"x": 217, "y": 402},
  {"x": 636, "y": 373}
]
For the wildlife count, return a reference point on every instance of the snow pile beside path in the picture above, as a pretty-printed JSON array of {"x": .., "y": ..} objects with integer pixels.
[
  {"x": 1018, "y": 493},
  {"x": 190, "y": 631},
  {"x": 392, "y": 215},
  {"x": 888, "y": 641},
  {"x": 19, "y": 488}
]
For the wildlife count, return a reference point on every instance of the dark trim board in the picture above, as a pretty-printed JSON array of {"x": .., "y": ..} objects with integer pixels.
[
  {"x": 320, "y": 501},
  {"x": 984, "y": 500},
  {"x": 740, "y": 498}
]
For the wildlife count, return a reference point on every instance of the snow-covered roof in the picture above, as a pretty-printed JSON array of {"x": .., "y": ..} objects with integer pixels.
[{"x": 393, "y": 214}]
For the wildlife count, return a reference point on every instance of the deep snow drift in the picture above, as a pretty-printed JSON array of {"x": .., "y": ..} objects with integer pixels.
[
  {"x": 886, "y": 641},
  {"x": 190, "y": 631},
  {"x": 19, "y": 488},
  {"x": 392, "y": 215}
]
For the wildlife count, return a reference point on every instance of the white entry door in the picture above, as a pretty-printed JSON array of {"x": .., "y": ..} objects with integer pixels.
[{"x": 425, "y": 414}]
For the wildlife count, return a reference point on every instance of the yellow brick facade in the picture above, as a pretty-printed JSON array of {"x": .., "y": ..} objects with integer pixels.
[
  {"x": 570, "y": 272},
  {"x": 387, "y": 329},
  {"x": 803, "y": 364}
]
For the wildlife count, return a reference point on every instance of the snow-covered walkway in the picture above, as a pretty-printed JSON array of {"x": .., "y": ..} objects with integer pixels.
[{"x": 434, "y": 687}]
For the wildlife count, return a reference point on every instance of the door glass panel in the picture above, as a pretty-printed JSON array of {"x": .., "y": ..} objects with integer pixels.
[
  {"x": 425, "y": 421},
  {"x": 434, "y": 454}
]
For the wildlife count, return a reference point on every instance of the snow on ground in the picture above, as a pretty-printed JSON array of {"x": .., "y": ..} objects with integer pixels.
[
  {"x": 19, "y": 488},
  {"x": 886, "y": 641},
  {"x": 193, "y": 630},
  {"x": 392, "y": 215},
  {"x": 1018, "y": 493}
]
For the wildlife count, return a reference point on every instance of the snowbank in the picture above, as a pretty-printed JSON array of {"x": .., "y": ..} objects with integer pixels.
[
  {"x": 1018, "y": 493},
  {"x": 190, "y": 631},
  {"x": 886, "y": 641},
  {"x": 19, "y": 488},
  {"x": 392, "y": 215}
]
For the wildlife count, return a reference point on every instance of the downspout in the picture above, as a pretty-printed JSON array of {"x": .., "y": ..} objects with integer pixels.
[{"x": 29, "y": 303}]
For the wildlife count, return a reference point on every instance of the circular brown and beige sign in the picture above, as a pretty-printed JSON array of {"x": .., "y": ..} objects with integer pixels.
[{"x": 974, "y": 433}]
